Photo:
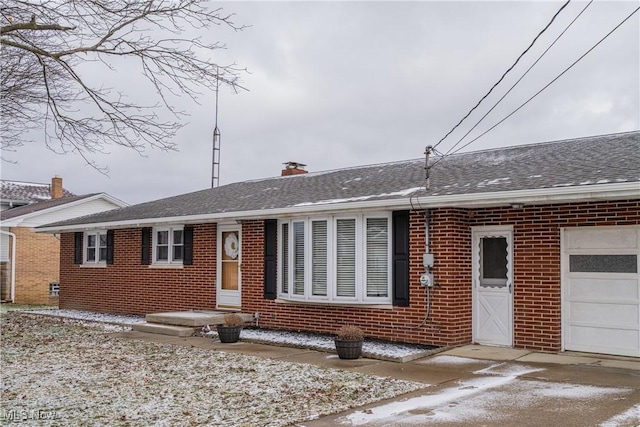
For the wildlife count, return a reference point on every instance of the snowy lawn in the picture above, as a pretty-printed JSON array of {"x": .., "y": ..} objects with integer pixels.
[
  {"x": 74, "y": 372},
  {"x": 371, "y": 348}
]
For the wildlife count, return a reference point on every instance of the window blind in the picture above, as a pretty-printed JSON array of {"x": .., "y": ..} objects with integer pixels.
[
  {"x": 377, "y": 257},
  {"x": 346, "y": 257},
  {"x": 319, "y": 258}
]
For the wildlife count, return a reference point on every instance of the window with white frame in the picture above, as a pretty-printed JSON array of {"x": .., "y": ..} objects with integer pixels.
[
  {"x": 95, "y": 247},
  {"x": 341, "y": 259},
  {"x": 168, "y": 245}
]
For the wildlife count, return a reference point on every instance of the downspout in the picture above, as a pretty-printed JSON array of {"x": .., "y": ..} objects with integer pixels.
[{"x": 13, "y": 263}]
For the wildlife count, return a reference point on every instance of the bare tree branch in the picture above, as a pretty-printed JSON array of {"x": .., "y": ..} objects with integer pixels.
[{"x": 44, "y": 83}]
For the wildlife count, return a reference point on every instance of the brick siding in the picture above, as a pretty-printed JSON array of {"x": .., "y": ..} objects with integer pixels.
[
  {"x": 37, "y": 265},
  {"x": 129, "y": 287}
]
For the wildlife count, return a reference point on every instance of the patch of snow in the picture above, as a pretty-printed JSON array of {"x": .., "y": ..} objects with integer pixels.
[
  {"x": 496, "y": 181},
  {"x": 564, "y": 185},
  {"x": 452, "y": 360},
  {"x": 535, "y": 176},
  {"x": 370, "y": 348},
  {"x": 629, "y": 417},
  {"x": 360, "y": 198},
  {"x": 574, "y": 391},
  {"x": 586, "y": 182},
  {"x": 91, "y": 316},
  {"x": 508, "y": 370},
  {"x": 602, "y": 181}
]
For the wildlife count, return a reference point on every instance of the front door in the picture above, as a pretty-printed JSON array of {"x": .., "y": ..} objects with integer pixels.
[
  {"x": 229, "y": 272},
  {"x": 493, "y": 286}
]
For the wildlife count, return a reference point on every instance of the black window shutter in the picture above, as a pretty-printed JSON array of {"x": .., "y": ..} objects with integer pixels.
[
  {"x": 270, "y": 250},
  {"x": 146, "y": 246},
  {"x": 110, "y": 239},
  {"x": 187, "y": 258},
  {"x": 401, "y": 258},
  {"x": 77, "y": 248}
]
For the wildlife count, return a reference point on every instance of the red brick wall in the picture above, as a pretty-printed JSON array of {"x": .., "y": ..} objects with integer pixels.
[
  {"x": 536, "y": 237},
  {"x": 128, "y": 287},
  {"x": 450, "y": 316}
]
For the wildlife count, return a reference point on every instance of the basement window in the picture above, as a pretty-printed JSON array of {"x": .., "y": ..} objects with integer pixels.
[{"x": 54, "y": 289}]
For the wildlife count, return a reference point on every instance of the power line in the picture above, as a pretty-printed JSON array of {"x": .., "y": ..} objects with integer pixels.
[
  {"x": 504, "y": 75},
  {"x": 520, "y": 79},
  {"x": 547, "y": 85}
]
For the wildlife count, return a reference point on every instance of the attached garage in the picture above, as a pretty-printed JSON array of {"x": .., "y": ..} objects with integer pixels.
[{"x": 601, "y": 290}]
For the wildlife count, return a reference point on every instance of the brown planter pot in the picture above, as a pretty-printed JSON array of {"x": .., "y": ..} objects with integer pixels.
[
  {"x": 229, "y": 334},
  {"x": 348, "y": 349}
]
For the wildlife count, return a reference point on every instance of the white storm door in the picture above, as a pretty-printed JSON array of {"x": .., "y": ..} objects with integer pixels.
[
  {"x": 228, "y": 275},
  {"x": 493, "y": 286}
]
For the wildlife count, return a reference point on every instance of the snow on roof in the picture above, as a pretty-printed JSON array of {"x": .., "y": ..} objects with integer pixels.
[{"x": 27, "y": 192}]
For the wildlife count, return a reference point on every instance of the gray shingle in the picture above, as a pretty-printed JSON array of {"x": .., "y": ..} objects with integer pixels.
[
  {"x": 578, "y": 162},
  {"x": 27, "y": 192}
]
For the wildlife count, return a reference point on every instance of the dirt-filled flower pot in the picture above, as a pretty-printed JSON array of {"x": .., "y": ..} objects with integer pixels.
[
  {"x": 229, "y": 334},
  {"x": 348, "y": 349}
]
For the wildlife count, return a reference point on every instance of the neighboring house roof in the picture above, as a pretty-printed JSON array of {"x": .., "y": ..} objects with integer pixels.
[
  {"x": 65, "y": 208},
  {"x": 27, "y": 192},
  {"x": 598, "y": 167}
]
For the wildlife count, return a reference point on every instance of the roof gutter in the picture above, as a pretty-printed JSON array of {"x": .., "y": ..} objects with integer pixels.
[{"x": 568, "y": 194}]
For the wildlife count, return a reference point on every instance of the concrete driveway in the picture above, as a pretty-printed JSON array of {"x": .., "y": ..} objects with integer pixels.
[{"x": 485, "y": 386}]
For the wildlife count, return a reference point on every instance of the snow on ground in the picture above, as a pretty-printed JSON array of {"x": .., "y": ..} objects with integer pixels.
[
  {"x": 371, "y": 348},
  {"x": 628, "y": 417},
  {"x": 64, "y": 373},
  {"x": 452, "y": 360},
  {"x": 495, "y": 395}
]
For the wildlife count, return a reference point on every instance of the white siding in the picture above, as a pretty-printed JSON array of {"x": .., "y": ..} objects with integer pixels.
[{"x": 68, "y": 212}]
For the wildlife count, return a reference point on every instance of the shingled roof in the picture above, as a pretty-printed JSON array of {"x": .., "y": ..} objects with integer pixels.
[
  {"x": 582, "y": 164},
  {"x": 27, "y": 192},
  {"x": 40, "y": 206}
]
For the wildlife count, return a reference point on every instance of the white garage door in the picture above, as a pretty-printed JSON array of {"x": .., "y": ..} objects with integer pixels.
[{"x": 601, "y": 290}]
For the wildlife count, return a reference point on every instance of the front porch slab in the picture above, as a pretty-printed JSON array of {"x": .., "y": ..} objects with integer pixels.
[
  {"x": 192, "y": 318},
  {"x": 154, "y": 328}
]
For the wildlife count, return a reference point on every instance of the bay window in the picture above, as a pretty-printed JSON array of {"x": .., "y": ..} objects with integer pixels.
[{"x": 341, "y": 259}]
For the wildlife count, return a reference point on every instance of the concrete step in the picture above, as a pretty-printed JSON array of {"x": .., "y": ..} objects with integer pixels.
[
  {"x": 155, "y": 328},
  {"x": 192, "y": 318}
]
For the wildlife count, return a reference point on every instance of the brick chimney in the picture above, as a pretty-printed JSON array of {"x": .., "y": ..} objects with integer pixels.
[
  {"x": 293, "y": 168},
  {"x": 56, "y": 187}
]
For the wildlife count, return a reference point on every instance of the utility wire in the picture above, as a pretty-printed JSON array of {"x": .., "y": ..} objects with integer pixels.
[
  {"x": 519, "y": 80},
  {"x": 547, "y": 85},
  {"x": 504, "y": 75}
]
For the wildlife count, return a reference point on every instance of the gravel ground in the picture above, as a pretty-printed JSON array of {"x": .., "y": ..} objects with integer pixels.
[{"x": 74, "y": 372}]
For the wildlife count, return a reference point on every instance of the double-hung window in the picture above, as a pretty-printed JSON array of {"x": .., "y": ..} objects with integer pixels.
[
  {"x": 168, "y": 246},
  {"x": 95, "y": 247},
  {"x": 340, "y": 259}
]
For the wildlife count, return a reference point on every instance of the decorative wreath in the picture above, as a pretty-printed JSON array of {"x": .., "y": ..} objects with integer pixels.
[{"x": 231, "y": 246}]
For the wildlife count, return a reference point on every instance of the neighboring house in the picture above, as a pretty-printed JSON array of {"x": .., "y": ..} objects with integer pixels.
[
  {"x": 18, "y": 193},
  {"x": 30, "y": 261},
  {"x": 533, "y": 246}
]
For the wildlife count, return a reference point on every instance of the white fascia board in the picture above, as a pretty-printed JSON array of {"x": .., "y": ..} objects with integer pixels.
[
  {"x": 599, "y": 192},
  {"x": 15, "y": 222}
]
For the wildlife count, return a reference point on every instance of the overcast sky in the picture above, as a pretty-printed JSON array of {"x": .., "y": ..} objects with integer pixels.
[{"x": 338, "y": 84}]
